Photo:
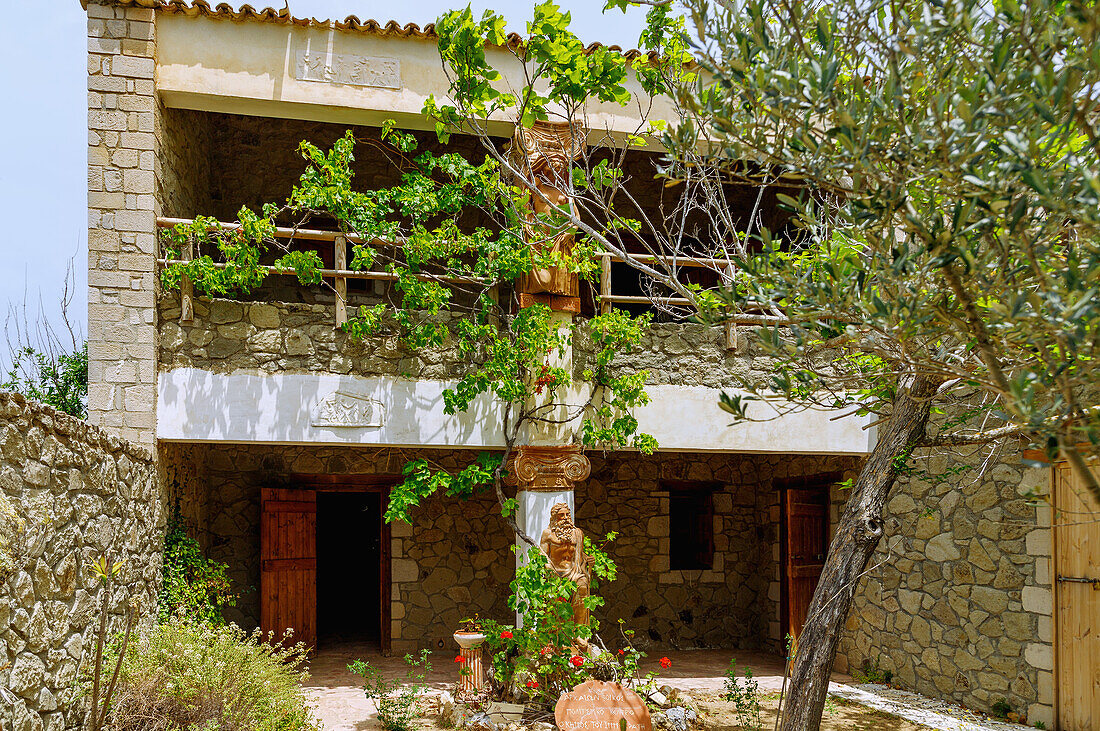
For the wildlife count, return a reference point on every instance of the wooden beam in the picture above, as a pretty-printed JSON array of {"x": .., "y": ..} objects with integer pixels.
[
  {"x": 187, "y": 287},
  {"x": 341, "y": 282}
]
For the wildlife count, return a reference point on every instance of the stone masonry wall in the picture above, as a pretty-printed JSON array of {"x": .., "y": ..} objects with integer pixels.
[
  {"x": 78, "y": 493},
  {"x": 452, "y": 562},
  {"x": 957, "y": 602},
  {"x": 227, "y": 336},
  {"x": 736, "y": 604},
  {"x": 121, "y": 214},
  {"x": 455, "y": 559}
]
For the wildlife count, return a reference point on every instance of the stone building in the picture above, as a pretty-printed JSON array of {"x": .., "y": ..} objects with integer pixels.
[{"x": 267, "y": 421}]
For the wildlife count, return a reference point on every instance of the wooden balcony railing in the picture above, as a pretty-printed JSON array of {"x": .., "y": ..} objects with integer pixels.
[{"x": 340, "y": 274}]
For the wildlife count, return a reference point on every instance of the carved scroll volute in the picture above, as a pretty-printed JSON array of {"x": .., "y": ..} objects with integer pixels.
[
  {"x": 543, "y": 155},
  {"x": 551, "y": 469}
]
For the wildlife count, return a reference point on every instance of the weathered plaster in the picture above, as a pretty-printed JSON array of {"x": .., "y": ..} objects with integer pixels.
[
  {"x": 196, "y": 405},
  {"x": 250, "y": 68}
]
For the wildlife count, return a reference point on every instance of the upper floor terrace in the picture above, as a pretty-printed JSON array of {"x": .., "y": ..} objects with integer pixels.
[{"x": 198, "y": 112}]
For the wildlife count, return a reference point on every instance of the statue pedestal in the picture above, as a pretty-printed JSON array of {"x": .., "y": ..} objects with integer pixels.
[{"x": 471, "y": 676}]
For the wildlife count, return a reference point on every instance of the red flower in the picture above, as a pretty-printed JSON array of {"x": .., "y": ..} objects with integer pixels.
[
  {"x": 577, "y": 661},
  {"x": 665, "y": 663},
  {"x": 621, "y": 652},
  {"x": 506, "y": 635},
  {"x": 459, "y": 658},
  {"x": 532, "y": 684}
]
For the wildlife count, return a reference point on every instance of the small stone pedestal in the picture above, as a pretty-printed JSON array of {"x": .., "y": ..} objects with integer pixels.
[{"x": 469, "y": 644}]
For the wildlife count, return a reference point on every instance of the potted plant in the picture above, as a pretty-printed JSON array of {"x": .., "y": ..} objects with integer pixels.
[{"x": 469, "y": 634}]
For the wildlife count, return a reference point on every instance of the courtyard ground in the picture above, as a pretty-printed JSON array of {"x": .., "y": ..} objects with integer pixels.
[{"x": 342, "y": 705}]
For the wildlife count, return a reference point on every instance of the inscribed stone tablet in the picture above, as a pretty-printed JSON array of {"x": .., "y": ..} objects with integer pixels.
[{"x": 598, "y": 706}]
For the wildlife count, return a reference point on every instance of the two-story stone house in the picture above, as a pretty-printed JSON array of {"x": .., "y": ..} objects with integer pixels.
[{"x": 280, "y": 436}]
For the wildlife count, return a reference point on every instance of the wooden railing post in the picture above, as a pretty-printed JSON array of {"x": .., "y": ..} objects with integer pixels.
[
  {"x": 605, "y": 283},
  {"x": 341, "y": 282},
  {"x": 187, "y": 289},
  {"x": 728, "y": 273}
]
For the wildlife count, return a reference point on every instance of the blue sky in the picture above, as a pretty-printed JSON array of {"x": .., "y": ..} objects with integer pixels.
[{"x": 43, "y": 175}]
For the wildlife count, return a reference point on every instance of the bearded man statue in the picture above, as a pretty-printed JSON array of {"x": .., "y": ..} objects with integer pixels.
[{"x": 563, "y": 544}]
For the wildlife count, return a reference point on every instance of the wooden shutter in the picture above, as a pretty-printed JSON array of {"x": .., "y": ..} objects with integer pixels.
[
  {"x": 288, "y": 563},
  {"x": 1077, "y": 599}
]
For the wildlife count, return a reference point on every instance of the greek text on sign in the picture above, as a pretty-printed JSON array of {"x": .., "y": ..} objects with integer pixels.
[
  {"x": 598, "y": 706},
  {"x": 347, "y": 68}
]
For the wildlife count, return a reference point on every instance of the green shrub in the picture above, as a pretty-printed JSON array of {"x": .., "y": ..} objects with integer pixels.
[
  {"x": 745, "y": 698},
  {"x": 395, "y": 699},
  {"x": 188, "y": 674},
  {"x": 191, "y": 584},
  {"x": 872, "y": 673}
]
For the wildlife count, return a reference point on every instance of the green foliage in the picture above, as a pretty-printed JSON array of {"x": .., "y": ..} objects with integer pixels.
[
  {"x": 395, "y": 699},
  {"x": 1001, "y": 708},
  {"x": 870, "y": 672},
  {"x": 185, "y": 674},
  {"x": 422, "y": 481},
  {"x": 60, "y": 382},
  {"x": 745, "y": 697},
  {"x": 939, "y": 164},
  {"x": 543, "y": 659},
  {"x": 192, "y": 585}
]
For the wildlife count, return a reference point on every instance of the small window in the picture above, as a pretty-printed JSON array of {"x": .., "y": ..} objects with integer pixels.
[{"x": 691, "y": 526}]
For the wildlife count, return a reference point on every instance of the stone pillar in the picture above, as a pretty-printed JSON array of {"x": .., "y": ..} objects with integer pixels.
[
  {"x": 548, "y": 463},
  {"x": 544, "y": 476},
  {"x": 121, "y": 221}
]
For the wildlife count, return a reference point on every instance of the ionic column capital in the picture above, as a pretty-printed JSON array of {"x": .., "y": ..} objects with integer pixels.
[{"x": 548, "y": 469}]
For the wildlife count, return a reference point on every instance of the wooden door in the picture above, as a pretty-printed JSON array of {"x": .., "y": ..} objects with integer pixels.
[
  {"x": 288, "y": 563},
  {"x": 806, "y": 529},
  {"x": 1077, "y": 602}
]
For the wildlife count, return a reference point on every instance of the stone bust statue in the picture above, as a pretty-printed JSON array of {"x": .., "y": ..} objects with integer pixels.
[{"x": 563, "y": 544}]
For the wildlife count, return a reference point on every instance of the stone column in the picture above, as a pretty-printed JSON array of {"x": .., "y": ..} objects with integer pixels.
[
  {"x": 121, "y": 226},
  {"x": 548, "y": 463}
]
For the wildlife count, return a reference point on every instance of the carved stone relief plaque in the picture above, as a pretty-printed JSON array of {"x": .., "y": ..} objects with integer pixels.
[
  {"x": 348, "y": 410},
  {"x": 347, "y": 68}
]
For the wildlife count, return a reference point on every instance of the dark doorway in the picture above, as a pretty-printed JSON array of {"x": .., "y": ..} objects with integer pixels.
[{"x": 349, "y": 567}]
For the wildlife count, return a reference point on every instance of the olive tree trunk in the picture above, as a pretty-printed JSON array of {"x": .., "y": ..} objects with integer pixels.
[{"x": 857, "y": 535}]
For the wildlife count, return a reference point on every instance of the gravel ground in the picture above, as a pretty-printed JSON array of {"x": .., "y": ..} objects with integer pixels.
[{"x": 920, "y": 709}]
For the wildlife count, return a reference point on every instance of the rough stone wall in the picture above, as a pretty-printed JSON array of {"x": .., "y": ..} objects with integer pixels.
[
  {"x": 184, "y": 172},
  {"x": 278, "y": 337},
  {"x": 78, "y": 493},
  {"x": 455, "y": 559},
  {"x": 451, "y": 562},
  {"x": 121, "y": 211},
  {"x": 957, "y": 602},
  {"x": 227, "y": 336},
  {"x": 736, "y": 604}
]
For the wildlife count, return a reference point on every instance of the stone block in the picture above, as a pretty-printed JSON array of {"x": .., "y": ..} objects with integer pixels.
[
  {"x": 1039, "y": 656},
  {"x": 138, "y": 181},
  {"x": 138, "y": 67},
  {"x": 1038, "y": 542},
  {"x": 105, "y": 120},
  {"x": 134, "y": 220},
  {"x": 1037, "y": 600}
]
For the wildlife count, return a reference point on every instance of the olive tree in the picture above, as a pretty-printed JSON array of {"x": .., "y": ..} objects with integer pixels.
[{"x": 941, "y": 161}]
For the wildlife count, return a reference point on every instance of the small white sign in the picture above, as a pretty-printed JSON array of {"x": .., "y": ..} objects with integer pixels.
[
  {"x": 347, "y": 68},
  {"x": 348, "y": 410}
]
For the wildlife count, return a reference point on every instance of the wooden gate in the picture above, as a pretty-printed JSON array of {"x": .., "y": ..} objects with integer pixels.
[
  {"x": 288, "y": 563},
  {"x": 806, "y": 541},
  {"x": 1077, "y": 602}
]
